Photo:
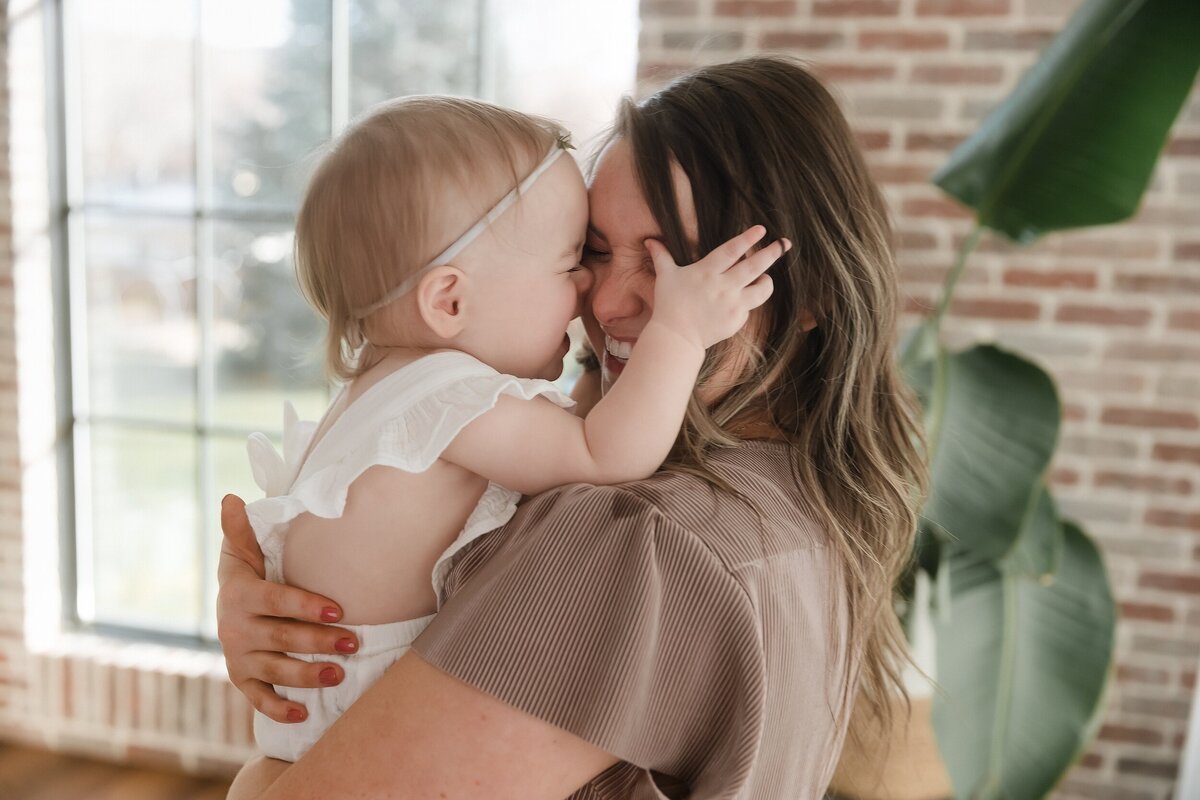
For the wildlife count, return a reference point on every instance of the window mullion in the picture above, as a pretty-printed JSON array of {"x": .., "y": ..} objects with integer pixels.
[
  {"x": 205, "y": 359},
  {"x": 339, "y": 88}
]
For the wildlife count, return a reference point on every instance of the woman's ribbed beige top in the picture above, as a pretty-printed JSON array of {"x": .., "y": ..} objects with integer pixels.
[{"x": 663, "y": 623}]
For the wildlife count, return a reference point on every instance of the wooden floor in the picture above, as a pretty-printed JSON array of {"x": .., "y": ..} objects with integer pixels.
[{"x": 28, "y": 774}]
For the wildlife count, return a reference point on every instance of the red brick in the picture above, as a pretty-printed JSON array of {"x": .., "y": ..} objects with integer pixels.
[
  {"x": 1150, "y": 418},
  {"x": 958, "y": 73},
  {"x": 900, "y": 173},
  {"x": 1187, "y": 251},
  {"x": 1105, "y": 247},
  {"x": 916, "y": 240},
  {"x": 801, "y": 40},
  {"x": 903, "y": 40},
  {"x": 1157, "y": 484},
  {"x": 1126, "y": 733},
  {"x": 1187, "y": 679},
  {"x": 1029, "y": 39},
  {"x": 1184, "y": 321},
  {"x": 1162, "y": 283},
  {"x": 1127, "y": 673},
  {"x": 1167, "y": 518},
  {"x": 936, "y": 207},
  {"x": 873, "y": 140},
  {"x": 1184, "y": 146},
  {"x": 963, "y": 8},
  {"x": 995, "y": 308},
  {"x": 851, "y": 73},
  {"x": 1152, "y": 351},
  {"x": 1051, "y": 279},
  {"x": 1092, "y": 761},
  {"x": 755, "y": 8},
  {"x": 856, "y": 8},
  {"x": 670, "y": 8},
  {"x": 1061, "y": 476},
  {"x": 1187, "y": 584},
  {"x": 1103, "y": 315},
  {"x": 940, "y": 142},
  {"x": 1074, "y": 412},
  {"x": 1176, "y": 453},
  {"x": 1143, "y": 766}
]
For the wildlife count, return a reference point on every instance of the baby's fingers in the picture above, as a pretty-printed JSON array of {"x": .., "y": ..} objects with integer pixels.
[
  {"x": 750, "y": 268},
  {"x": 758, "y": 292},
  {"x": 729, "y": 253}
]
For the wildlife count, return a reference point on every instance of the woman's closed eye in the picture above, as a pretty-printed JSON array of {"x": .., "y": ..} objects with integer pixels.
[{"x": 591, "y": 253}]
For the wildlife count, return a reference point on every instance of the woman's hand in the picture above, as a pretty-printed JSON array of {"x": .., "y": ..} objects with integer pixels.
[
  {"x": 259, "y": 622},
  {"x": 709, "y": 301}
]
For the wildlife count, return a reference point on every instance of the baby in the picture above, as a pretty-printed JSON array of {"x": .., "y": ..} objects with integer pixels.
[{"x": 440, "y": 238}]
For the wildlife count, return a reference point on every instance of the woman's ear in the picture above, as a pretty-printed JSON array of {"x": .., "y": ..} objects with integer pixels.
[
  {"x": 807, "y": 321},
  {"x": 441, "y": 296}
]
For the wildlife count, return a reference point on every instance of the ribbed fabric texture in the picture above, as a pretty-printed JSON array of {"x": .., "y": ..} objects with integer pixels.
[{"x": 666, "y": 624}]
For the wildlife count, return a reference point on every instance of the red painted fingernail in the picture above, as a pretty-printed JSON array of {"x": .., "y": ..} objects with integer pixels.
[
  {"x": 295, "y": 715},
  {"x": 328, "y": 676},
  {"x": 330, "y": 614},
  {"x": 345, "y": 645}
]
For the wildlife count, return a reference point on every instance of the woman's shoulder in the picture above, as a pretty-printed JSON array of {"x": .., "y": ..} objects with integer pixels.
[
  {"x": 766, "y": 520},
  {"x": 768, "y": 504}
]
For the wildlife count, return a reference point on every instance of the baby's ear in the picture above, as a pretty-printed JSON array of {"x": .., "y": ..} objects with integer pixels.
[{"x": 440, "y": 296}]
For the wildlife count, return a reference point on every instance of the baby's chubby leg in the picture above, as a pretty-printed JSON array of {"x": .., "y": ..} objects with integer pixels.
[{"x": 255, "y": 777}]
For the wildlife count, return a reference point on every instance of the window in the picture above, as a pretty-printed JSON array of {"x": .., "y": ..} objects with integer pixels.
[{"x": 190, "y": 129}]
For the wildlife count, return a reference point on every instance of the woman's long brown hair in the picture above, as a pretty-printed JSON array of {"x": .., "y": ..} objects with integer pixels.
[{"x": 762, "y": 141}]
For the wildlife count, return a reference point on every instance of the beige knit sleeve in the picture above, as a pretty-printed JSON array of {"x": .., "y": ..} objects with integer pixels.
[{"x": 601, "y": 616}]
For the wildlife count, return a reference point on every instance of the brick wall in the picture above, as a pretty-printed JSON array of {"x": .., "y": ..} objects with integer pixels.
[{"x": 1112, "y": 313}]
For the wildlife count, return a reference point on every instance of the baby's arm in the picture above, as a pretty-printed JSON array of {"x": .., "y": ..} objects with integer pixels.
[{"x": 531, "y": 446}]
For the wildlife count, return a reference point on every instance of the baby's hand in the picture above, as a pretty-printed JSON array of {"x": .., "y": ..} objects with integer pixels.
[{"x": 709, "y": 301}]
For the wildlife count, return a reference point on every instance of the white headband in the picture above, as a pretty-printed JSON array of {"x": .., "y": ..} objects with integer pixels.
[{"x": 460, "y": 244}]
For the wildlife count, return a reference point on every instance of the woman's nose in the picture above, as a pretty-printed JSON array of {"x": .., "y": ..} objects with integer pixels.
[{"x": 615, "y": 297}]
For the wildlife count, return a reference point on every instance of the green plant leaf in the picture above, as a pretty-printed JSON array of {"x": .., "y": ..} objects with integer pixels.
[
  {"x": 1076, "y": 142},
  {"x": 992, "y": 425},
  {"x": 1039, "y": 545},
  {"x": 1024, "y": 667}
]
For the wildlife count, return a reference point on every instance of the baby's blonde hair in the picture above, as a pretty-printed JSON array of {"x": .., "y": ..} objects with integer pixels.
[{"x": 379, "y": 204}]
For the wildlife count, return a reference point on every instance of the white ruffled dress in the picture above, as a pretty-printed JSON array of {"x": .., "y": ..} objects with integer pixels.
[{"x": 404, "y": 421}]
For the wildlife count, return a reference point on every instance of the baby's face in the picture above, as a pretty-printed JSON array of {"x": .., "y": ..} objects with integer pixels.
[{"x": 527, "y": 280}]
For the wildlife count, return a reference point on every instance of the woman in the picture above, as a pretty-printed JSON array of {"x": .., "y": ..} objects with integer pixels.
[{"x": 704, "y": 632}]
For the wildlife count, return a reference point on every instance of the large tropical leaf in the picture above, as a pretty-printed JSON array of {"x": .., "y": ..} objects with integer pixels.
[
  {"x": 992, "y": 425},
  {"x": 1024, "y": 664},
  {"x": 1039, "y": 546},
  {"x": 1075, "y": 144}
]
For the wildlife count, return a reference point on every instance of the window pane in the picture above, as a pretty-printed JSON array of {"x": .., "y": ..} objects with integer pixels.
[
  {"x": 268, "y": 341},
  {"x": 269, "y": 67},
  {"x": 138, "y": 141},
  {"x": 144, "y": 546},
  {"x": 418, "y": 47},
  {"x": 141, "y": 318},
  {"x": 230, "y": 475}
]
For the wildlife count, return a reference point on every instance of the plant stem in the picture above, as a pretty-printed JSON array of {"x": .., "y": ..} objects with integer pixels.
[
  {"x": 952, "y": 278},
  {"x": 933, "y": 325}
]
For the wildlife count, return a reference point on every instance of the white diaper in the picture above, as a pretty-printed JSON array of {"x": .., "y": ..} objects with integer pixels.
[{"x": 379, "y": 647}]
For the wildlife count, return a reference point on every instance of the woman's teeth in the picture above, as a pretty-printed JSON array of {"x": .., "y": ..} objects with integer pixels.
[{"x": 621, "y": 350}]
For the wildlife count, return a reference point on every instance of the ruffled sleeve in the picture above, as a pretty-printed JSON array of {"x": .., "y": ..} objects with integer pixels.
[{"x": 405, "y": 425}]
